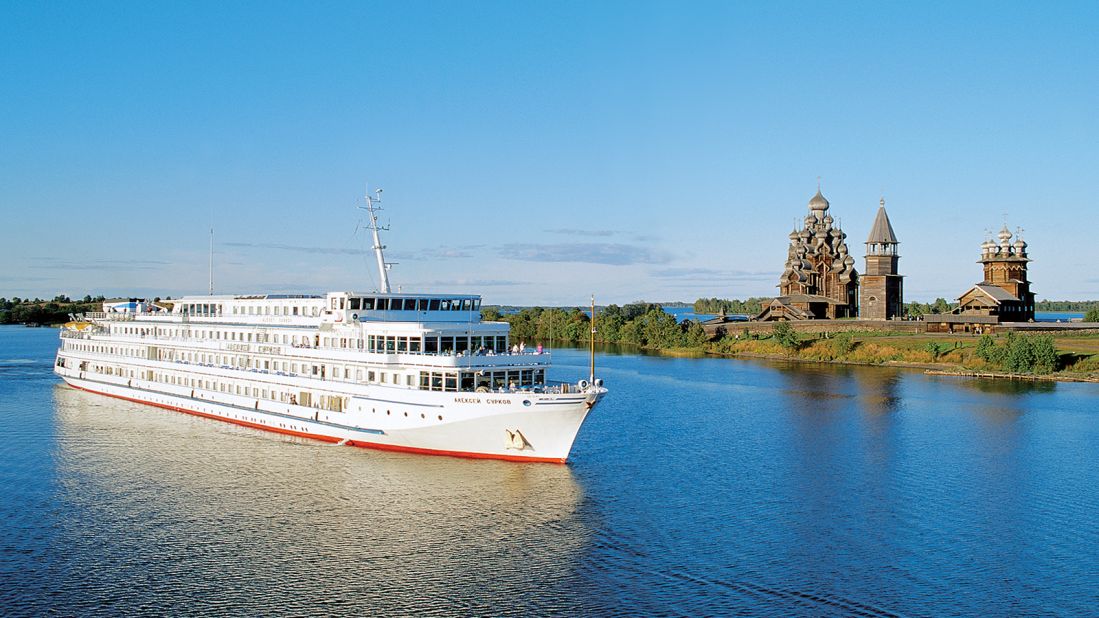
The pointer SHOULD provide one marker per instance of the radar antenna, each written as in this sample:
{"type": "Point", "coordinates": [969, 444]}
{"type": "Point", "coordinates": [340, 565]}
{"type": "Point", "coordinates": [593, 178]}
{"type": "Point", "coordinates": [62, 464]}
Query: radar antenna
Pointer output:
{"type": "Point", "coordinates": [372, 209]}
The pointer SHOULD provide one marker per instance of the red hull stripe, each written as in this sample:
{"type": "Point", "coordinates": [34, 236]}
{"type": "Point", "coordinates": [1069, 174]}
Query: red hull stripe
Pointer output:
{"type": "Point", "coordinates": [323, 438]}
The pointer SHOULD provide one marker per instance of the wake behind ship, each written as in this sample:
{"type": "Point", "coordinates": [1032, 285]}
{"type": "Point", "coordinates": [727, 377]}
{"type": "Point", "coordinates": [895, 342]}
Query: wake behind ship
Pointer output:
{"type": "Point", "coordinates": [398, 371]}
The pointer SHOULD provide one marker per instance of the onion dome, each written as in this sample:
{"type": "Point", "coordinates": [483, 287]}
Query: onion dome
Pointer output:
{"type": "Point", "coordinates": [818, 202]}
{"type": "Point", "coordinates": [794, 235]}
{"type": "Point", "coordinates": [850, 261]}
{"type": "Point", "coordinates": [1004, 236]}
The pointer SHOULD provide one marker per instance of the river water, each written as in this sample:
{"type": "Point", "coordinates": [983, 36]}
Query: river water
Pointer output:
{"type": "Point", "coordinates": [699, 487]}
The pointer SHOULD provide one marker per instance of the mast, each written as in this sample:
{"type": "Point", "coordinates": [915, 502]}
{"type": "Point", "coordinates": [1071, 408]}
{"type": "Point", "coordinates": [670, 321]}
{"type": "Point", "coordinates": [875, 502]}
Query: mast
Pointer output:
{"type": "Point", "coordinates": [383, 268]}
{"type": "Point", "coordinates": [591, 375]}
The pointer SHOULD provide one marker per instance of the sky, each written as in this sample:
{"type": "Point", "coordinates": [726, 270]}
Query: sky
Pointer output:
{"type": "Point", "coordinates": [537, 153]}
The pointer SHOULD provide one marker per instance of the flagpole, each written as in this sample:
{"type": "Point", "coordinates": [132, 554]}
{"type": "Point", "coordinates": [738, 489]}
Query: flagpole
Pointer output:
{"type": "Point", "coordinates": [591, 376]}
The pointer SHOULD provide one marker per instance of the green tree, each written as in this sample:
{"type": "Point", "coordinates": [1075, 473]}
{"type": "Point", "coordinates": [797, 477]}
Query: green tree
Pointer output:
{"type": "Point", "coordinates": [935, 348]}
{"type": "Point", "coordinates": [694, 335]}
{"type": "Point", "coordinates": [1045, 354]}
{"type": "Point", "coordinates": [1092, 315]}
{"type": "Point", "coordinates": [842, 344]}
{"type": "Point", "coordinates": [491, 314]}
{"type": "Point", "coordinates": [786, 336]}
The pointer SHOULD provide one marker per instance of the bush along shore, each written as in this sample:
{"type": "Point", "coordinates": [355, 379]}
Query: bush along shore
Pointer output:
{"type": "Point", "coordinates": [648, 327]}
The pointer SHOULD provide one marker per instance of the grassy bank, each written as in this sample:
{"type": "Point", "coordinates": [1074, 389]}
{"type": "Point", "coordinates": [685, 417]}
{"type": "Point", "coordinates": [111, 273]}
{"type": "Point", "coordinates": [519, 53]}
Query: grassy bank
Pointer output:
{"type": "Point", "coordinates": [1074, 356]}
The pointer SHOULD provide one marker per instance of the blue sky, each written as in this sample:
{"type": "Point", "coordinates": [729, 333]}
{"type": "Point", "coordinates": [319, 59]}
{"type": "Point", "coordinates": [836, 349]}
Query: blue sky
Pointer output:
{"type": "Point", "coordinates": [536, 153]}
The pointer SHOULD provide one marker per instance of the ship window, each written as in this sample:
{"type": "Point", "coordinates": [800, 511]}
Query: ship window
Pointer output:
{"type": "Point", "coordinates": [354, 303]}
{"type": "Point", "coordinates": [410, 304]}
{"type": "Point", "coordinates": [444, 305]}
{"type": "Point", "coordinates": [369, 376]}
{"type": "Point", "coordinates": [434, 305]}
{"type": "Point", "coordinates": [358, 375]}
{"type": "Point", "coordinates": [414, 345]}
{"type": "Point", "coordinates": [431, 345]}
{"type": "Point", "coordinates": [425, 380]}
{"type": "Point", "coordinates": [368, 304]}
{"type": "Point", "coordinates": [421, 304]}
{"type": "Point", "coordinates": [295, 310]}
{"type": "Point", "coordinates": [467, 381]}
{"type": "Point", "coordinates": [476, 304]}
{"type": "Point", "coordinates": [436, 381]}
{"type": "Point", "coordinates": [466, 304]}
{"type": "Point", "coordinates": [402, 344]}
{"type": "Point", "coordinates": [385, 378]}
{"type": "Point", "coordinates": [451, 382]}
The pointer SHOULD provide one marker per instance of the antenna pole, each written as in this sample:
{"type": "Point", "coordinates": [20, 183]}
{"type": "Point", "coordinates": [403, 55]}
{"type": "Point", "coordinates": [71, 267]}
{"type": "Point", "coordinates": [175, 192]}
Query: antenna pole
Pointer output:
{"type": "Point", "coordinates": [372, 210]}
{"type": "Point", "coordinates": [591, 375]}
{"type": "Point", "coordinates": [211, 261]}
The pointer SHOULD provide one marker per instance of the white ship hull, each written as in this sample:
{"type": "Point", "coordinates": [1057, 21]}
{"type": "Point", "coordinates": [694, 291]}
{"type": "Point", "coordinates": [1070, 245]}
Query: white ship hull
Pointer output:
{"type": "Point", "coordinates": [520, 426]}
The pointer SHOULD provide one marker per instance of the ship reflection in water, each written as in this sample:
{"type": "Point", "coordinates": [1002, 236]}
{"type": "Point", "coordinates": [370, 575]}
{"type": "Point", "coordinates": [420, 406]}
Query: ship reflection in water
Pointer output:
{"type": "Point", "coordinates": [196, 515]}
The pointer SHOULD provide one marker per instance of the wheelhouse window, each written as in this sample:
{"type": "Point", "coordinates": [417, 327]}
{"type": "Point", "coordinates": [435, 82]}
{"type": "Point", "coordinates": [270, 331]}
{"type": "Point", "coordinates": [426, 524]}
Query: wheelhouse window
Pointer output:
{"type": "Point", "coordinates": [368, 304]}
{"type": "Point", "coordinates": [433, 304]}
{"type": "Point", "coordinates": [355, 303]}
{"type": "Point", "coordinates": [410, 304]}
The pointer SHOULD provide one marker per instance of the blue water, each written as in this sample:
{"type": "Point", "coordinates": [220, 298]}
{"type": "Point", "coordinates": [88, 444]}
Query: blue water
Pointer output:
{"type": "Point", "coordinates": [1056, 316]}
{"type": "Point", "coordinates": [699, 487]}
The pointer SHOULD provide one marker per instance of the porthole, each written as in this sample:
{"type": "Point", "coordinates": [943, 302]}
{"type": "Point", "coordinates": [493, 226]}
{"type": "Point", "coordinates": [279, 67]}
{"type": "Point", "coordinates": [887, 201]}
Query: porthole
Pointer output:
{"type": "Point", "coordinates": [406, 414]}
{"type": "Point", "coordinates": [422, 415]}
{"type": "Point", "coordinates": [440, 417]}
{"type": "Point", "coordinates": [526, 402]}
{"type": "Point", "coordinates": [387, 412]}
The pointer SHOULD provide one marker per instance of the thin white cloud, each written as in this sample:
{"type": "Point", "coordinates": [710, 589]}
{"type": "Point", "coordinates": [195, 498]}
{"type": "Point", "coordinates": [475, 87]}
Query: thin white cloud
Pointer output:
{"type": "Point", "coordinates": [615, 254]}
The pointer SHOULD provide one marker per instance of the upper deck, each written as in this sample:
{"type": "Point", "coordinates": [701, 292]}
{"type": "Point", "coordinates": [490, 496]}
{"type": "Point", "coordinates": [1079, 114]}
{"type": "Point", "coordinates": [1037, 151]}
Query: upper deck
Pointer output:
{"type": "Point", "coordinates": [337, 307]}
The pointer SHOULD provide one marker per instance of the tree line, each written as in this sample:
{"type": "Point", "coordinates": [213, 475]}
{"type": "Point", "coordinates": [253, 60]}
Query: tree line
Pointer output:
{"type": "Point", "coordinates": [25, 310]}
{"type": "Point", "coordinates": [1073, 306]}
{"type": "Point", "coordinates": [646, 325]}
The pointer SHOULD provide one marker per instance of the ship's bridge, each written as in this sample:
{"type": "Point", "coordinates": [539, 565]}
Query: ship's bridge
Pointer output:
{"type": "Point", "coordinates": [402, 307]}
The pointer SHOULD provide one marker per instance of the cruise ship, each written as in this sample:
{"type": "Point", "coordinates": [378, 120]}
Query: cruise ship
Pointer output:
{"type": "Point", "coordinates": [410, 372]}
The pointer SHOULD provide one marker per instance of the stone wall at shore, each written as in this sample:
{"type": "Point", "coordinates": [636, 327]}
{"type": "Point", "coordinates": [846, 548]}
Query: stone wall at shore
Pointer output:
{"type": "Point", "coordinates": [893, 326]}
{"type": "Point", "coordinates": [815, 327]}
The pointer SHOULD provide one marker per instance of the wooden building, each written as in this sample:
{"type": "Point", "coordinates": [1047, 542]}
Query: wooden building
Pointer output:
{"type": "Point", "coordinates": [881, 292]}
{"type": "Point", "coordinates": [1003, 296]}
{"type": "Point", "coordinates": [819, 280]}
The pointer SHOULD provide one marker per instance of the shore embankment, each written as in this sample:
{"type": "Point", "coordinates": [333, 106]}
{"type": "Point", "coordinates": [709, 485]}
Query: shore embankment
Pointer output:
{"type": "Point", "coordinates": [1061, 356]}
